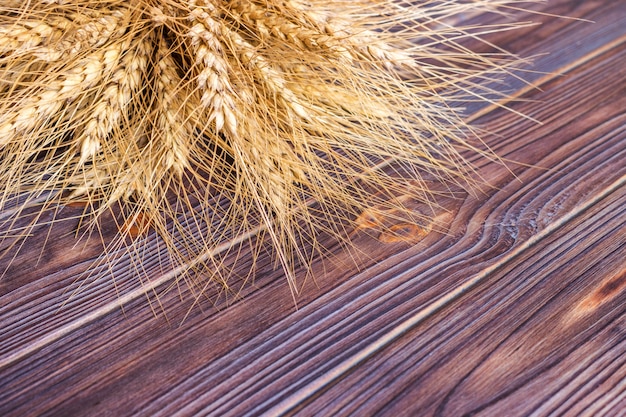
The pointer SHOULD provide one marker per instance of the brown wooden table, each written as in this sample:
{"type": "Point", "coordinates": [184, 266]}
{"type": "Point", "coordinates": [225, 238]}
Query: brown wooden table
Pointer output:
{"type": "Point", "coordinates": [516, 309]}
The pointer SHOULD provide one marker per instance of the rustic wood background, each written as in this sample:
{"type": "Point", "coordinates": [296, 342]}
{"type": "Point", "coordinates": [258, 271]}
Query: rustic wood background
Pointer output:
{"type": "Point", "coordinates": [516, 309]}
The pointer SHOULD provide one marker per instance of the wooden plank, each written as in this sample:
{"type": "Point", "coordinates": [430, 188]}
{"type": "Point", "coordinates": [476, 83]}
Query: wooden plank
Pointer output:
{"type": "Point", "coordinates": [527, 340]}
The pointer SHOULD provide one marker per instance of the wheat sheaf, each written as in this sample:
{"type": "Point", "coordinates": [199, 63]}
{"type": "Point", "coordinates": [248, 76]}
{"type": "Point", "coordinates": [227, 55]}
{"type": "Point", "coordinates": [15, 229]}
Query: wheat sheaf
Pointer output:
{"type": "Point", "coordinates": [201, 122]}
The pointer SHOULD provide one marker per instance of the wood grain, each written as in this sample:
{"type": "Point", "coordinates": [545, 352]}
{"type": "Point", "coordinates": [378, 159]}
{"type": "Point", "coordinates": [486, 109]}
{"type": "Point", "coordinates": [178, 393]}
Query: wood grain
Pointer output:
{"type": "Point", "coordinates": [514, 305]}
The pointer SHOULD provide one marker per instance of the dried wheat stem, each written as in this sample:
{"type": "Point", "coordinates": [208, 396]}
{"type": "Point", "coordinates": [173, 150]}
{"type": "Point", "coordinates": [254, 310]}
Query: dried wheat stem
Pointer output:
{"type": "Point", "coordinates": [29, 35]}
{"type": "Point", "coordinates": [93, 30]}
{"type": "Point", "coordinates": [213, 76]}
{"type": "Point", "coordinates": [360, 44]}
{"type": "Point", "coordinates": [272, 25]}
{"type": "Point", "coordinates": [116, 95]}
{"type": "Point", "coordinates": [39, 105]}
{"type": "Point", "coordinates": [51, 38]}
{"type": "Point", "coordinates": [171, 127]}
{"type": "Point", "coordinates": [267, 74]}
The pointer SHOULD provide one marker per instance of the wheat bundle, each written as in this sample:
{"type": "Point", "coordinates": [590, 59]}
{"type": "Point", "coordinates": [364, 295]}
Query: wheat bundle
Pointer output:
{"type": "Point", "coordinates": [202, 120]}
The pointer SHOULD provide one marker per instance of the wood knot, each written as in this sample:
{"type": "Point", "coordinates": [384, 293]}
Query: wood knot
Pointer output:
{"type": "Point", "coordinates": [605, 292]}
{"type": "Point", "coordinates": [404, 232]}
{"type": "Point", "coordinates": [403, 220]}
{"type": "Point", "coordinates": [137, 225]}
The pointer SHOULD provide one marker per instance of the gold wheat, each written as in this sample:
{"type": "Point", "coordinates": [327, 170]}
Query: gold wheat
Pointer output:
{"type": "Point", "coordinates": [292, 111]}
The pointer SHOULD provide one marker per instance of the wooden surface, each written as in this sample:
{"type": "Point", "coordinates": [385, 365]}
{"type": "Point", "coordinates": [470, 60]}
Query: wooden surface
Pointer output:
{"type": "Point", "coordinates": [518, 309]}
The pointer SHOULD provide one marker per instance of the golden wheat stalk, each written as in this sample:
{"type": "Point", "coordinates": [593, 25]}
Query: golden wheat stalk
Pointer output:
{"type": "Point", "coordinates": [160, 109]}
